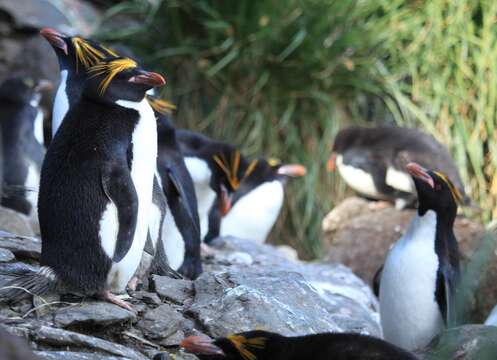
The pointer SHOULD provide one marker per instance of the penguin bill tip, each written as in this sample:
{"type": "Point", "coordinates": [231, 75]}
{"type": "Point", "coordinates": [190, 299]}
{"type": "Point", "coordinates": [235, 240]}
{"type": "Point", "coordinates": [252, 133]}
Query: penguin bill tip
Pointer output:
{"type": "Point", "coordinates": [200, 345]}
{"type": "Point", "coordinates": [148, 78]}
{"type": "Point", "coordinates": [55, 38]}
{"type": "Point", "coordinates": [293, 170]}
{"type": "Point", "coordinates": [419, 172]}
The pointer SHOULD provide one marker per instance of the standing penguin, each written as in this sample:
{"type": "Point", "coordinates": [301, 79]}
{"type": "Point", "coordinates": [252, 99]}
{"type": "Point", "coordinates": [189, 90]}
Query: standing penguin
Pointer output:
{"type": "Point", "coordinates": [264, 345]}
{"type": "Point", "coordinates": [421, 271]}
{"type": "Point", "coordinates": [258, 201]}
{"type": "Point", "coordinates": [96, 186]}
{"type": "Point", "coordinates": [21, 121]}
{"type": "Point", "coordinates": [181, 229]}
{"type": "Point", "coordinates": [372, 161]}
{"type": "Point", "coordinates": [216, 169]}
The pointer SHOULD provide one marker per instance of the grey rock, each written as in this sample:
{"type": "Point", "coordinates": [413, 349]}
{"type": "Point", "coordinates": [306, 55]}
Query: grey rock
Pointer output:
{"type": "Point", "coordinates": [21, 246]}
{"type": "Point", "coordinates": [60, 338]}
{"type": "Point", "coordinates": [275, 300]}
{"type": "Point", "coordinates": [174, 290]}
{"type": "Point", "coordinates": [147, 297]}
{"type": "Point", "coordinates": [6, 255]}
{"type": "Point", "coordinates": [69, 355]}
{"type": "Point", "coordinates": [13, 347]}
{"type": "Point", "coordinates": [94, 313]}
{"type": "Point", "coordinates": [161, 322]}
{"type": "Point", "coordinates": [15, 222]}
{"type": "Point", "coordinates": [468, 342]}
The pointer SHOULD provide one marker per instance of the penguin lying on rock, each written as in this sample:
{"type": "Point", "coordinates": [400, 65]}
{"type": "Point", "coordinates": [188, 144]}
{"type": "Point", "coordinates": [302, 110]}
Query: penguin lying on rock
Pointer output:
{"type": "Point", "coordinates": [418, 283]}
{"type": "Point", "coordinates": [264, 345]}
{"type": "Point", "coordinates": [257, 202]}
{"type": "Point", "coordinates": [21, 122]}
{"type": "Point", "coordinates": [372, 161]}
{"type": "Point", "coordinates": [216, 169]}
{"type": "Point", "coordinates": [96, 187]}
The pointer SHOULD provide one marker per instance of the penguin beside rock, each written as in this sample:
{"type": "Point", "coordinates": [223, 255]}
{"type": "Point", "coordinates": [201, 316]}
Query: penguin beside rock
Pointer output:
{"type": "Point", "coordinates": [264, 345]}
{"type": "Point", "coordinates": [372, 161]}
{"type": "Point", "coordinates": [21, 123]}
{"type": "Point", "coordinates": [96, 187]}
{"type": "Point", "coordinates": [418, 285]}
{"type": "Point", "coordinates": [257, 203]}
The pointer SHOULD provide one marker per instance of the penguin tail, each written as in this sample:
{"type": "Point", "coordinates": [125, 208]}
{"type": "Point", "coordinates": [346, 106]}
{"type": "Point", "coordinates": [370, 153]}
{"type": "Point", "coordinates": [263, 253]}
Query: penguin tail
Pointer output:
{"type": "Point", "coordinates": [24, 281]}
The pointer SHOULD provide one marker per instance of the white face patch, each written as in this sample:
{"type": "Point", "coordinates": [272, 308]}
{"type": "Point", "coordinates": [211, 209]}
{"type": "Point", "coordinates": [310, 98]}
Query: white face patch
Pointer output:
{"type": "Point", "coordinates": [357, 179]}
{"type": "Point", "coordinates": [399, 180]}
{"type": "Point", "coordinates": [201, 176]}
{"type": "Point", "coordinates": [253, 216]}
{"type": "Point", "coordinates": [143, 167]}
{"type": "Point", "coordinates": [410, 316]}
{"type": "Point", "coordinates": [61, 103]}
{"type": "Point", "coordinates": [174, 245]}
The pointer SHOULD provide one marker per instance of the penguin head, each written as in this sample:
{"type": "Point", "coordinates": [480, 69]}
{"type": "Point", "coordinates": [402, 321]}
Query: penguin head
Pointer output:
{"type": "Point", "coordinates": [343, 140]}
{"type": "Point", "coordinates": [250, 345]}
{"type": "Point", "coordinates": [435, 191]}
{"type": "Point", "coordinates": [23, 90]}
{"type": "Point", "coordinates": [118, 78]}
{"type": "Point", "coordinates": [74, 52]}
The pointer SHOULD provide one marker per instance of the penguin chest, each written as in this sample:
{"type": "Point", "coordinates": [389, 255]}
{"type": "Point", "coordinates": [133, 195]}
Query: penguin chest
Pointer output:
{"type": "Point", "coordinates": [201, 177]}
{"type": "Point", "coordinates": [410, 315]}
{"type": "Point", "coordinates": [143, 166]}
{"type": "Point", "coordinates": [253, 215]}
{"type": "Point", "coordinates": [399, 180]}
{"type": "Point", "coordinates": [174, 244]}
{"type": "Point", "coordinates": [61, 103]}
{"type": "Point", "coordinates": [32, 185]}
{"type": "Point", "coordinates": [358, 179]}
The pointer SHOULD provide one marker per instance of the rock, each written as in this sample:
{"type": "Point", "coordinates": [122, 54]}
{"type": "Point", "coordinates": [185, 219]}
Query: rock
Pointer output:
{"type": "Point", "coordinates": [289, 252]}
{"type": "Point", "coordinates": [15, 222]}
{"type": "Point", "coordinates": [241, 258]}
{"type": "Point", "coordinates": [469, 342]}
{"type": "Point", "coordinates": [361, 242]}
{"type": "Point", "coordinates": [14, 348]}
{"type": "Point", "coordinates": [91, 314]}
{"type": "Point", "coordinates": [174, 290]}
{"type": "Point", "coordinates": [6, 255]}
{"type": "Point", "coordinates": [275, 300]}
{"type": "Point", "coordinates": [21, 246]}
{"type": "Point", "coordinates": [147, 297]}
{"type": "Point", "coordinates": [69, 355]}
{"type": "Point", "coordinates": [61, 338]}
{"type": "Point", "coordinates": [161, 322]}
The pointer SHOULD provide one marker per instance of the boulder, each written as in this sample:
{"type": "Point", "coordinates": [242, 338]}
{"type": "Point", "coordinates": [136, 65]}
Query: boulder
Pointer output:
{"type": "Point", "coordinates": [21, 246]}
{"type": "Point", "coordinates": [469, 342]}
{"type": "Point", "coordinates": [92, 314]}
{"type": "Point", "coordinates": [15, 222]}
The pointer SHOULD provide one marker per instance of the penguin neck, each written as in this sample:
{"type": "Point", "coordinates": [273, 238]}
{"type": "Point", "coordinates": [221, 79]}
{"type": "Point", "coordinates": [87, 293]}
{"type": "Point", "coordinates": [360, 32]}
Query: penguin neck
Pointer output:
{"type": "Point", "coordinates": [431, 226]}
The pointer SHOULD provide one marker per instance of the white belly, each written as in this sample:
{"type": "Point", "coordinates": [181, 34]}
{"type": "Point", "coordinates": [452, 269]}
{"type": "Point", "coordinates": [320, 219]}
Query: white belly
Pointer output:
{"type": "Point", "coordinates": [410, 316]}
{"type": "Point", "coordinates": [32, 184]}
{"type": "Point", "coordinates": [174, 245]}
{"type": "Point", "coordinates": [201, 176]}
{"type": "Point", "coordinates": [61, 103]}
{"type": "Point", "coordinates": [143, 167]}
{"type": "Point", "coordinates": [399, 180]}
{"type": "Point", "coordinates": [253, 216]}
{"type": "Point", "coordinates": [357, 179]}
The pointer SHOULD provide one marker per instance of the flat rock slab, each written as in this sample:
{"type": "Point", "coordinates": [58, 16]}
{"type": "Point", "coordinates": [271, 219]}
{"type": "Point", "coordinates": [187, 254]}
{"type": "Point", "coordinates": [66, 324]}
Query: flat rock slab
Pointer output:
{"type": "Point", "coordinates": [21, 246]}
{"type": "Point", "coordinates": [174, 290]}
{"type": "Point", "coordinates": [69, 355]}
{"type": "Point", "coordinates": [14, 222]}
{"type": "Point", "coordinates": [6, 255]}
{"type": "Point", "coordinates": [94, 313]}
{"type": "Point", "coordinates": [279, 301]}
{"type": "Point", "coordinates": [62, 338]}
{"type": "Point", "coordinates": [161, 322]}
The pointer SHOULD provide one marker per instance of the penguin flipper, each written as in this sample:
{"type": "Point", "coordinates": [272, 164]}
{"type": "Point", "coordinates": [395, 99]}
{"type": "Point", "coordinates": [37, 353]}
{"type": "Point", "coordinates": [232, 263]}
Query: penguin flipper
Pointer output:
{"type": "Point", "coordinates": [182, 195]}
{"type": "Point", "coordinates": [445, 295]}
{"type": "Point", "coordinates": [119, 188]}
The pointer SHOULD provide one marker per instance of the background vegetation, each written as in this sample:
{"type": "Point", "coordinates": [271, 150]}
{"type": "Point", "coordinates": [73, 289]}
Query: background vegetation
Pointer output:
{"type": "Point", "coordinates": [278, 78]}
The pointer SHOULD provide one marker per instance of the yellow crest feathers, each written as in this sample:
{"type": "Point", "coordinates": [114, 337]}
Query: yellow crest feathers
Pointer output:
{"type": "Point", "coordinates": [243, 345]}
{"type": "Point", "coordinates": [231, 168]}
{"type": "Point", "coordinates": [86, 54]}
{"type": "Point", "coordinates": [110, 69]}
{"type": "Point", "coordinates": [161, 106]}
{"type": "Point", "coordinates": [456, 194]}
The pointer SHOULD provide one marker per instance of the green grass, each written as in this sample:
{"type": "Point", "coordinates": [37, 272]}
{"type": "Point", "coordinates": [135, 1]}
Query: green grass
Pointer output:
{"type": "Point", "coordinates": [278, 78]}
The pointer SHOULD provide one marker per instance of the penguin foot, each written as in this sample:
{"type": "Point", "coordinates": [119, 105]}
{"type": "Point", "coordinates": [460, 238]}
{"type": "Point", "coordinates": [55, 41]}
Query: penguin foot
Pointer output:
{"type": "Point", "coordinates": [206, 250]}
{"type": "Point", "coordinates": [114, 299]}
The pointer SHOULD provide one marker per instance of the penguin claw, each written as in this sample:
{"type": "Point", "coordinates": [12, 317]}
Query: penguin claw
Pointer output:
{"type": "Point", "coordinates": [114, 299]}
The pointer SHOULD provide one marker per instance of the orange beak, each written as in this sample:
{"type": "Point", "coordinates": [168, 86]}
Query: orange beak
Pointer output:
{"type": "Point", "coordinates": [225, 204]}
{"type": "Point", "coordinates": [55, 38]}
{"type": "Point", "coordinates": [293, 170]}
{"type": "Point", "coordinates": [419, 172]}
{"type": "Point", "coordinates": [148, 78]}
{"type": "Point", "coordinates": [331, 163]}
